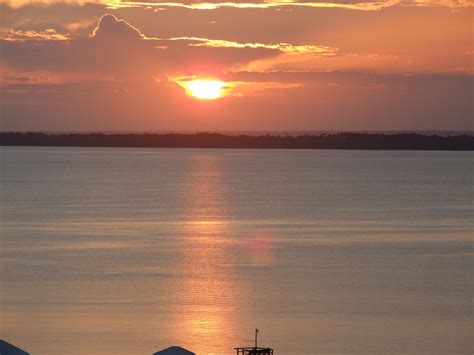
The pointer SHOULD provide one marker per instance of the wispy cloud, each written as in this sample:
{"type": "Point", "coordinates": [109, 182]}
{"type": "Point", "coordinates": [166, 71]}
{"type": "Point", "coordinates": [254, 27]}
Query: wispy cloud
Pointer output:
{"type": "Point", "coordinates": [354, 5]}
{"type": "Point", "coordinates": [9, 34]}
{"type": "Point", "coordinates": [77, 26]}
{"type": "Point", "coordinates": [362, 5]}
{"type": "Point", "coordinates": [282, 47]}
{"type": "Point", "coordinates": [21, 3]}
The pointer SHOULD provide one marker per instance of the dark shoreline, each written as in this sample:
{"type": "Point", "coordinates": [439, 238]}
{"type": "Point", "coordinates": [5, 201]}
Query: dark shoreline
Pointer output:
{"type": "Point", "coordinates": [350, 141]}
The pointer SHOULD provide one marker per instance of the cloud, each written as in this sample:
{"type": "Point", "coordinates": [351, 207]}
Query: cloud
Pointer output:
{"type": "Point", "coordinates": [265, 4]}
{"type": "Point", "coordinates": [397, 39]}
{"type": "Point", "coordinates": [282, 47]}
{"type": "Point", "coordinates": [367, 6]}
{"type": "Point", "coordinates": [81, 25]}
{"type": "Point", "coordinates": [117, 48]}
{"type": "Point", "coordinates": [18, 35]}
{"type": "Point", "coordinates": [22, 3]}
{"type": "Point", "coordinates": [110, 27]}
{"type": "Point", "coordinates": [359, 5]}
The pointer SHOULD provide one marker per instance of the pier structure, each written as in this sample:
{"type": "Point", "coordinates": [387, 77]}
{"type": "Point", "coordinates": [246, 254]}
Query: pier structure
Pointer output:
{"type": "Point", "coordinates": [254, 350]}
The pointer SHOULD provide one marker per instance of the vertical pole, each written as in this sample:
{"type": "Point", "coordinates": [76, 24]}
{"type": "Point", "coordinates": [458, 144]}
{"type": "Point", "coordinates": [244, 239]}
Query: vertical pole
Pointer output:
{"type": "Point", "coordinates": [256, 332]}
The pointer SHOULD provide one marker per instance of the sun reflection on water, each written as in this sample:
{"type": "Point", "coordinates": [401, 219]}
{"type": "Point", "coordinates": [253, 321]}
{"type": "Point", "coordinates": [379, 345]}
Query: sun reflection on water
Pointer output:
{"type": "Point", "coordinates": [209, 297]}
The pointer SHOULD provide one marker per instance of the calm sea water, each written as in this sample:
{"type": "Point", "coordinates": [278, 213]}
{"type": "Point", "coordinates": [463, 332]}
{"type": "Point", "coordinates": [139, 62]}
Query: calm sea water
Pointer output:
{"type": "Point", "coordinates": [128, 251]}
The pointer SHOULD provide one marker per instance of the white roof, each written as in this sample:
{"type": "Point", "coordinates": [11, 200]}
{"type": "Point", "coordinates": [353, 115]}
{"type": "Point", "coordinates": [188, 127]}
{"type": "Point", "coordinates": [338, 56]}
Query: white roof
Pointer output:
{"type": "Point", "coordinates": [9, 349]}
{"type": "Point", "coordinates": [174, 350]}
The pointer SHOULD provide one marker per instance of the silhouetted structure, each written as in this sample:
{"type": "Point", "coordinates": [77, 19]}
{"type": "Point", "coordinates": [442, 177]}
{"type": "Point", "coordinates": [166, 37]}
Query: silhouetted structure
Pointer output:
{"type": "Point", "coordinates": [254, 350]}
{"type": "Point", "coordinates": [362, 141]}
{"type": "Point", "coordinates": [174, 350]}
{"type": "Point", "coordinates": [9, 349]}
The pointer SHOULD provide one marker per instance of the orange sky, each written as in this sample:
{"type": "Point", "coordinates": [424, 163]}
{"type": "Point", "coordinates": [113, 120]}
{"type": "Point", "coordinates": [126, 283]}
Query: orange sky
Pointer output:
{"type": "Point", "coordinates": [279, 65]}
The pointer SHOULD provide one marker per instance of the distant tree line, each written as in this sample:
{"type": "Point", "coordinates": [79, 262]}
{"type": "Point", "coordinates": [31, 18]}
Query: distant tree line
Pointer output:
{"type": "Point", "coordinates": [363, 141]}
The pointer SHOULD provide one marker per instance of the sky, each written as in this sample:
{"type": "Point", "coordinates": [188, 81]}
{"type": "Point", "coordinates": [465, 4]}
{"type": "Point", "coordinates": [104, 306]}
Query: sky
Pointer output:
{"type": "Point", "coordinates": [253, 65]}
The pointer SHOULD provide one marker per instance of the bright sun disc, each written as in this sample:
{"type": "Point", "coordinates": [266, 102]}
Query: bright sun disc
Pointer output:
{"type": "Point", "coordinates": [205, 89]}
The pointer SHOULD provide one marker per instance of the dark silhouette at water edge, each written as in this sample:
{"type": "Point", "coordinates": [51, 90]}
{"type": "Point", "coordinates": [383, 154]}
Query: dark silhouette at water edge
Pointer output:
{"type": "Point", "coordinates": [359, 141]}
{"type": "Point", "coordinates": [7, 348]}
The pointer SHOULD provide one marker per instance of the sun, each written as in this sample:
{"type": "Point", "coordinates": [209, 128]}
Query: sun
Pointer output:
{"type": "Point", "coordinates": [205, 89]}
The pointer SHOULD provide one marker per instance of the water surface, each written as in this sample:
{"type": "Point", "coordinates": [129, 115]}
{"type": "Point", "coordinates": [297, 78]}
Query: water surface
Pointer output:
{"type": "Point", "coordinates": [108, 251]}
